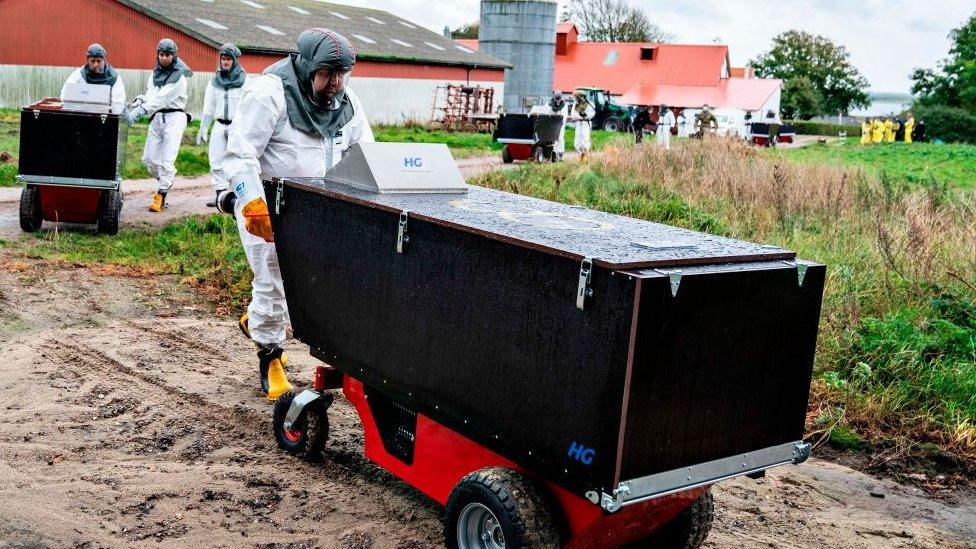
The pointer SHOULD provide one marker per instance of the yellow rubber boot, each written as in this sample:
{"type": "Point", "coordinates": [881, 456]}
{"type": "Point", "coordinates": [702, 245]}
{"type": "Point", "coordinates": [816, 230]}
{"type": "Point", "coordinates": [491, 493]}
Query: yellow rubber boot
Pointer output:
{"type": "Point", "coordinates": [271, 364]}
{"type": "Point", "coordinates": [242, 324]}
{"type": "Point", "coordinates": [277, 380]}
{"type": "Point", "coordinates": [158, 203]}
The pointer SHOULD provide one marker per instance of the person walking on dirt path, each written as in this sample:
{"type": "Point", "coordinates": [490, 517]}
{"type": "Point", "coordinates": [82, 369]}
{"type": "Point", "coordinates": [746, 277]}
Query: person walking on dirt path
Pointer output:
{"type": "Point", "coordinates": [583, 113]}
{"type": "Point", "coordinates": [294, 120]}
{"type": "Point", "coordinates": [98, 71]}
{"type": "Point", "coordinates": [165, 103]}
{"type": "Point", "coordinates": [665, 121]}
{"type": "Point", "coordinates": [219, 104]}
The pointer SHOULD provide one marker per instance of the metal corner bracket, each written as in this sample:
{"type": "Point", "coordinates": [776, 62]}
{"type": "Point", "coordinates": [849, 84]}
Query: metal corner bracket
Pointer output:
{"type": "Point", "coordinates": [657, 485]}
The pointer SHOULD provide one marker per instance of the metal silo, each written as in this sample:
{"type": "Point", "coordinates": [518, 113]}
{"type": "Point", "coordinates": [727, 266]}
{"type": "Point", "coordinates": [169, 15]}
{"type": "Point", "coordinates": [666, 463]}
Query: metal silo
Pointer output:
{"type": "Point", "coordinates": [522, 32]}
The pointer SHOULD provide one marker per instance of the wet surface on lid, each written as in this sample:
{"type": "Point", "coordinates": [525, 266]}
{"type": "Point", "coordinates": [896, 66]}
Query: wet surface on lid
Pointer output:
{"type": "Point", "coordinates": [572, 231]}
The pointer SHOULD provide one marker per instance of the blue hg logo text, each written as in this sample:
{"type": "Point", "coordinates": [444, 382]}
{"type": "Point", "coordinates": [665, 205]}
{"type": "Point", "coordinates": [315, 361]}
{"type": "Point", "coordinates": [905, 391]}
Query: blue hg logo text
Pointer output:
{"type": "Point", "coordinates": [414, 162]}
{"type": "Point", "coordinates": [581, 453]}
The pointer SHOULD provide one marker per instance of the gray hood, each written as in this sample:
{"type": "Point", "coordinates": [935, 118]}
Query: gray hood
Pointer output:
{"type": "Point", "coordinates": [317, 48]}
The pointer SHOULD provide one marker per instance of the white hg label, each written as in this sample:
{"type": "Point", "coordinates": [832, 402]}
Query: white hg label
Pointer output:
{"type": "Point", "coordinates": [413, 164]}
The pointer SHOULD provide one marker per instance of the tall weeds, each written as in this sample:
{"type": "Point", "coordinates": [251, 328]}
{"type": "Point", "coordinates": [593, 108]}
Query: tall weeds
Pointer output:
{"type": "Point", "coordinates": [897, 344]}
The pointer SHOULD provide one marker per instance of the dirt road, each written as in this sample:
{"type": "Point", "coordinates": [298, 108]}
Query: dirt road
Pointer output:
{"type": "Point", "coordinates": [132, 418]}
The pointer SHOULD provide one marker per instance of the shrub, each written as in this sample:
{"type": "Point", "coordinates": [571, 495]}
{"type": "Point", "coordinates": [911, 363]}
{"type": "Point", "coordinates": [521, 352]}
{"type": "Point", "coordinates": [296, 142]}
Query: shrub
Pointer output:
{"type": "Point", "coordinates": [949, 124]}
{"type": "Point", "coordinates": [809, 127]}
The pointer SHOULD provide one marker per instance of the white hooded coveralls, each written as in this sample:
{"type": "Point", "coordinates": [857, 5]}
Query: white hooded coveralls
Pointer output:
{"type": "Point", "coordinates": [664, 125]}
{"type": "Point", "coordinates": [165, 129]}
{"type": "Point", "coordinates": [220, 105]}
{"type": "Point", "coordinates": [581, 141]}
{"type": "Point", "coordinates": [263, 144]}
{"type": "Point", "coordinates": [118, 89]}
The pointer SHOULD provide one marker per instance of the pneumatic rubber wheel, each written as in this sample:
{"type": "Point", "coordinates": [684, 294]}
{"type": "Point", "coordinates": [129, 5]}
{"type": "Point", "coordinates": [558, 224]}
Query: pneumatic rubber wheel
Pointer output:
{"type": "Point", "coordinates": [307, 437]}
{"type": "Point", "coordinates": [688, 530]}
{"type": "Point", "coordinates": [30, 209]}
{"type": "Point", "coordinates": [506, 155]}
{"type": "Point", "coordinates": [495, 508]}
{"type": "Point", "coordinates": [109, 211]}
{"type": "Point", "coordinates": [613, 125]}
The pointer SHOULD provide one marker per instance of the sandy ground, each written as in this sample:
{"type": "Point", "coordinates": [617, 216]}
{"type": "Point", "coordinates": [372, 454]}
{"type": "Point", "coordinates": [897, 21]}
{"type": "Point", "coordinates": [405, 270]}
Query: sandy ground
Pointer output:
{"type": "Point", "coordinates": [132, 417]}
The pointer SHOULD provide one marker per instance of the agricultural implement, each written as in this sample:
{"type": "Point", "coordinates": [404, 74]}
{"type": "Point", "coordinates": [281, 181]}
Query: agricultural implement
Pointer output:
{"type": "Point", "coordinates": [553, 375]}
{"type": "Point", "coordinates": [70, 160]}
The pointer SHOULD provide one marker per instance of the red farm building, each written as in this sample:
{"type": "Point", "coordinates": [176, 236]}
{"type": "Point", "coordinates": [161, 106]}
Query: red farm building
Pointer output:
{"type": "Point", "coordinates": [400, 66]}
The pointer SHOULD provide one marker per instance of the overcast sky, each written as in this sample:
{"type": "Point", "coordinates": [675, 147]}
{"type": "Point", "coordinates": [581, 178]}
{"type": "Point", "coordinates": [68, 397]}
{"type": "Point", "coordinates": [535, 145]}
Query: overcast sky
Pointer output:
{"type": "Point", "coordinates": [886, 38]}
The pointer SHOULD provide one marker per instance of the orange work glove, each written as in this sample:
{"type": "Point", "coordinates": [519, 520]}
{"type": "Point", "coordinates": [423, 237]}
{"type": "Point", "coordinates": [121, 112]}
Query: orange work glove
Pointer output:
{"type": "Point", "coordinates": [257, 221]}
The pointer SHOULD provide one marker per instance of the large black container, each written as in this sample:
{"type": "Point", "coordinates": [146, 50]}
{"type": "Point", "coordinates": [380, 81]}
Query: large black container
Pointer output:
{"type": "Point", "coordinates": [591, 348]}
{"type": "Point", "coordinates": [528, 128]}
{"type": "Point", "coordinates": [71, 147]}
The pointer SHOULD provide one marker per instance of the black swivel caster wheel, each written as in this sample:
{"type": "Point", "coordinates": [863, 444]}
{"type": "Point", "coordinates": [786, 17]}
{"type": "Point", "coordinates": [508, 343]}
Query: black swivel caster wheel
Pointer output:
{"type": "Point", "coordinates": [308, 435]}
{"type": "Point", "coordinates": [507, 155]}
{"type": "Point", "coordinates": [30, 209]}
{"type": "Point", "coordinates": [109, 211]}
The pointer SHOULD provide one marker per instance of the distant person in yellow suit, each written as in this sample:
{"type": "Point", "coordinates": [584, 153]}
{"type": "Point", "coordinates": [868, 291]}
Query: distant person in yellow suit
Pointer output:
{"type": "Point", "coordinates": [866, 132]}
{"type": "Point", "coordinates": [889, 126]}
{"type": "Point", "coordinates": [909, 128]}
{"type": "Point", "coordinates": [877, 131]}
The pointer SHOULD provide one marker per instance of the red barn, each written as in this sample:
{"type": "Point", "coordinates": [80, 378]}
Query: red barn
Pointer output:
{"type": "Point", "coordinates": [680, 75]}
{"type": "Point", "coordinates": [400, 63]}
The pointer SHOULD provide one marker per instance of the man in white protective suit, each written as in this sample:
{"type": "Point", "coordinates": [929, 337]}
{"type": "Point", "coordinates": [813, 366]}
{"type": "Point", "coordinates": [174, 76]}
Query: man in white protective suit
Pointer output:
{"type": "Point", "coordinates": [583, 113]}
{"type": "Point", "coordinates": [219, 105]}
{"type": "Point", "coordinates": [665, 122]}
{"type": "Point", "coordinates": [165, 104]}
{"type": "Point", "coordinates": [97, 70]}
{"type": "Point", "coordinates": [559, 106]}
{"type": "Point", "coordinates": [294, 120]}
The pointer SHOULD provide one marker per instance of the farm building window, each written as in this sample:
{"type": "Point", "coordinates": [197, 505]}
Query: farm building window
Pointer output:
{"type": "Point", "coordinates": [647, 54]}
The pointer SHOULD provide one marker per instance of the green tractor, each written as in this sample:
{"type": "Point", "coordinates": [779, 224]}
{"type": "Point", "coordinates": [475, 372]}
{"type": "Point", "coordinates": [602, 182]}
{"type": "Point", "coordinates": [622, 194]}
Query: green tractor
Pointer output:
{"type": "Point", "coordinates": [609, 115]}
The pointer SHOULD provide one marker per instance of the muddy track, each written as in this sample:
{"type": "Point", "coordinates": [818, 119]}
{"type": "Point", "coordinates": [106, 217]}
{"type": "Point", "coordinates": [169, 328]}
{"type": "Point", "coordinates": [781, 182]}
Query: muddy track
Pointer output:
{"type": "Point", "coordinates": [132, 418]}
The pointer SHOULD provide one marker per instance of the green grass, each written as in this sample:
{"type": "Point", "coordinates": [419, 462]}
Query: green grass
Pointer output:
{"type": "Point", "coordinates": [897, 343]}
{"type": "Point", "coordinates": [912, 163]}
{"type": "Point", "coordinates": [205, 251]}
{"type": "Point", "coordinates": [192, 159]}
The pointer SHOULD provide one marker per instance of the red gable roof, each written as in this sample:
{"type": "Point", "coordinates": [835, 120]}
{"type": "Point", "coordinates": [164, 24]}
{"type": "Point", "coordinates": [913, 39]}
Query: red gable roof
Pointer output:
{"type": "Point", "coordinates": [617, 66]}
{"type": "Point", "coordinates": [736, 93]}
{"type": "Point", "coordinates": [681, 75]}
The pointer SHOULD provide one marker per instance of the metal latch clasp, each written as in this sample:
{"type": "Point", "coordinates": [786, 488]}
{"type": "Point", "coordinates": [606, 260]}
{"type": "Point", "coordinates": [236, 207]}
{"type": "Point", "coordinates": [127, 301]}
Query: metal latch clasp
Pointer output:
{"type": "Point", "coordinates": [583, 289]}
{"type": "Point", "coordinates": [402, 237]}
{"type": "Point", "coordinates": [279, 192]}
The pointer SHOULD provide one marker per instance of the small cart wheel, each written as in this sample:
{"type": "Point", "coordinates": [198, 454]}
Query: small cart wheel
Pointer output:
{"type": "Point", "coordinates": [497, 507]}
{"type": "Point", "coordinates": [30, 209]}
{"type": "Point", "coordinates": [109, 211]}
{"type": "Point", "coordinates": [539, 154]}
{"type": "Point", "coordinates": [688, 530]}
{"type": "Point", "coordinates": [308, 435]}
{"type": "Point", "coordinates": [506, 155]}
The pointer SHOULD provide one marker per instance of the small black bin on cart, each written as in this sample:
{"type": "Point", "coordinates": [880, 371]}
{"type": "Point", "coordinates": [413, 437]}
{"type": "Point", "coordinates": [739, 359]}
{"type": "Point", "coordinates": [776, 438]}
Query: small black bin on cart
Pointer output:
{"type": "Point", "coordinates": [617, 360]}
{"type": "Point", "coordinates": [71, 157]}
